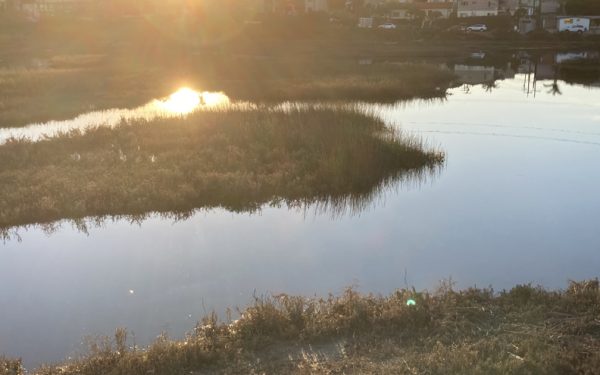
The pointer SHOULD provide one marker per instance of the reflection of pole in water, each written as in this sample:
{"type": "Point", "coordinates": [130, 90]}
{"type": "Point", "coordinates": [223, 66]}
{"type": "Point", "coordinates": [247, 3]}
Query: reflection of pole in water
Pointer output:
{"type": "Point", "coordinates": [535, 69]}
{"type": "Point", "coordinates": [528, 85]}
{"type": "Point", "coordinates": [528, 76]}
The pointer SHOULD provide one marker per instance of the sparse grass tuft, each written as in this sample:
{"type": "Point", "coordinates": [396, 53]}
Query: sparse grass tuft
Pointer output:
{"type": "Point", "coordinates": [11, 366]}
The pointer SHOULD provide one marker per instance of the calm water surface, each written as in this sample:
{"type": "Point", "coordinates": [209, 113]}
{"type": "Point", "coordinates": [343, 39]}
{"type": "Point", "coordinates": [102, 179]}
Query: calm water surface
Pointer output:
{"type": "Point", "coordinates": [518, 202]}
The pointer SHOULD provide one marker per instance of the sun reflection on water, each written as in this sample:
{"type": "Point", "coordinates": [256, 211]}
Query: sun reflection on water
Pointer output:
{"type": "Point", "coordinates": [183, 102]}
{"type": "Point", "coordinates": [186, 100]}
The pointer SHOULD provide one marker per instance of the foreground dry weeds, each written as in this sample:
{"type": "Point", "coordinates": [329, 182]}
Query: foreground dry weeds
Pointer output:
{"type": "Point", "coordinates": [527, 330]}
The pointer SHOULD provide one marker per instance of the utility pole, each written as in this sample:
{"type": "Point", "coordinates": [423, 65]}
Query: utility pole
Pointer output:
{"type": "Point", "coordinates": [539, 15]}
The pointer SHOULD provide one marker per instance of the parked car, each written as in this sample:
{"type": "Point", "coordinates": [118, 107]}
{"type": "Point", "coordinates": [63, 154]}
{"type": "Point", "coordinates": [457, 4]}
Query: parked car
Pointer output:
{"type": "Point", "coordinates": [387, 26]}
{"type": "Point", "coordinates": [478, 27]}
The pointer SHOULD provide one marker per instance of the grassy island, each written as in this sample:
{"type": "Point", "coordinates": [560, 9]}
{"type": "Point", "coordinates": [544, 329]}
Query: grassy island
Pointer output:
{"type": "Point", "coordinates": [239, 160]}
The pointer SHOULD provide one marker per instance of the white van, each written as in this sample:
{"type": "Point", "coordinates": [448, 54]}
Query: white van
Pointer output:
{"type": "Point", "coordinates": [574, 25]}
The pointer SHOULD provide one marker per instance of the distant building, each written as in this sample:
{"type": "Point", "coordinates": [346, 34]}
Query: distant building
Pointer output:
{"type": "Point", "coordinates": [530, 7]}
{"type": "Point", "coordinates": [374, 3]}
{"type": "Point", "coordinates": [551, 7]}
{"type": "Point", "coordinates": [436, 8]}
{"type": "Point", "coordinates": [287, 7]}
{"type": "Point", "coordinates": [365, 22]}
{"type": "Point", "coordinates": [38, 8]}
{"type": "Point", "coordinates": [293, 7]}
{"type": "Point", "coordinates": [405, 9]}
{"type": "Point", "coordinates": [526, 25]}
{"type": "Point", "coordinates": [6, 5]}
{"type": "Point", "coordinates": [316, 6]}
{"type": "Point", "coordinates": [547, 10]}
{"type": "Point", "coordinates": [401, 14]}
{"type": "Point", "coordinates": [508, 7]}
{"type": "Point", "coordinates": [477, 8]}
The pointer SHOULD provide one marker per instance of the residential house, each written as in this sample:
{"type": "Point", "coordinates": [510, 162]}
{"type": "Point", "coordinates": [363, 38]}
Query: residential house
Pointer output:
{"type": "Point", "coordinates": [477, 8]}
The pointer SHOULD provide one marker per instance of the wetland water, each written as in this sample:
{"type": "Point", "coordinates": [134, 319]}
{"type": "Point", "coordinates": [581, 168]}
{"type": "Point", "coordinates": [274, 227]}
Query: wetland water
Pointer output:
{"type": "Point", "coordinates": [517, 202]}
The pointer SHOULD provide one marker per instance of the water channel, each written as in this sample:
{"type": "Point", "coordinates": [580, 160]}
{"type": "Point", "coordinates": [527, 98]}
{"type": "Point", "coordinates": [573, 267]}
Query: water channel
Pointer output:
{"type": "Point", "coordinates": [517, 202]}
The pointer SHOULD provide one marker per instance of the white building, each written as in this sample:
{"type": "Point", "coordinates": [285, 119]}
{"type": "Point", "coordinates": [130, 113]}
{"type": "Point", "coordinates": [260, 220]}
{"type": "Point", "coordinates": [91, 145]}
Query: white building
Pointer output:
{"type": "Point", "coordinates": [477, 8]}
{"type": "Point", "coordinates": [431, 9]}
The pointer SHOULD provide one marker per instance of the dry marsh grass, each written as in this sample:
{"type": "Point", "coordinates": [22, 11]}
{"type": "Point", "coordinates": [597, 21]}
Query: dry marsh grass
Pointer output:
{"type": "Point", "coordinates": [72, 85]}
{"type": "Point", "coordinates": [34, 95]}
{"type": "Point", "coordinates": [238, 160]}
{"type": "Point", "coordinates": [526, 330]}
